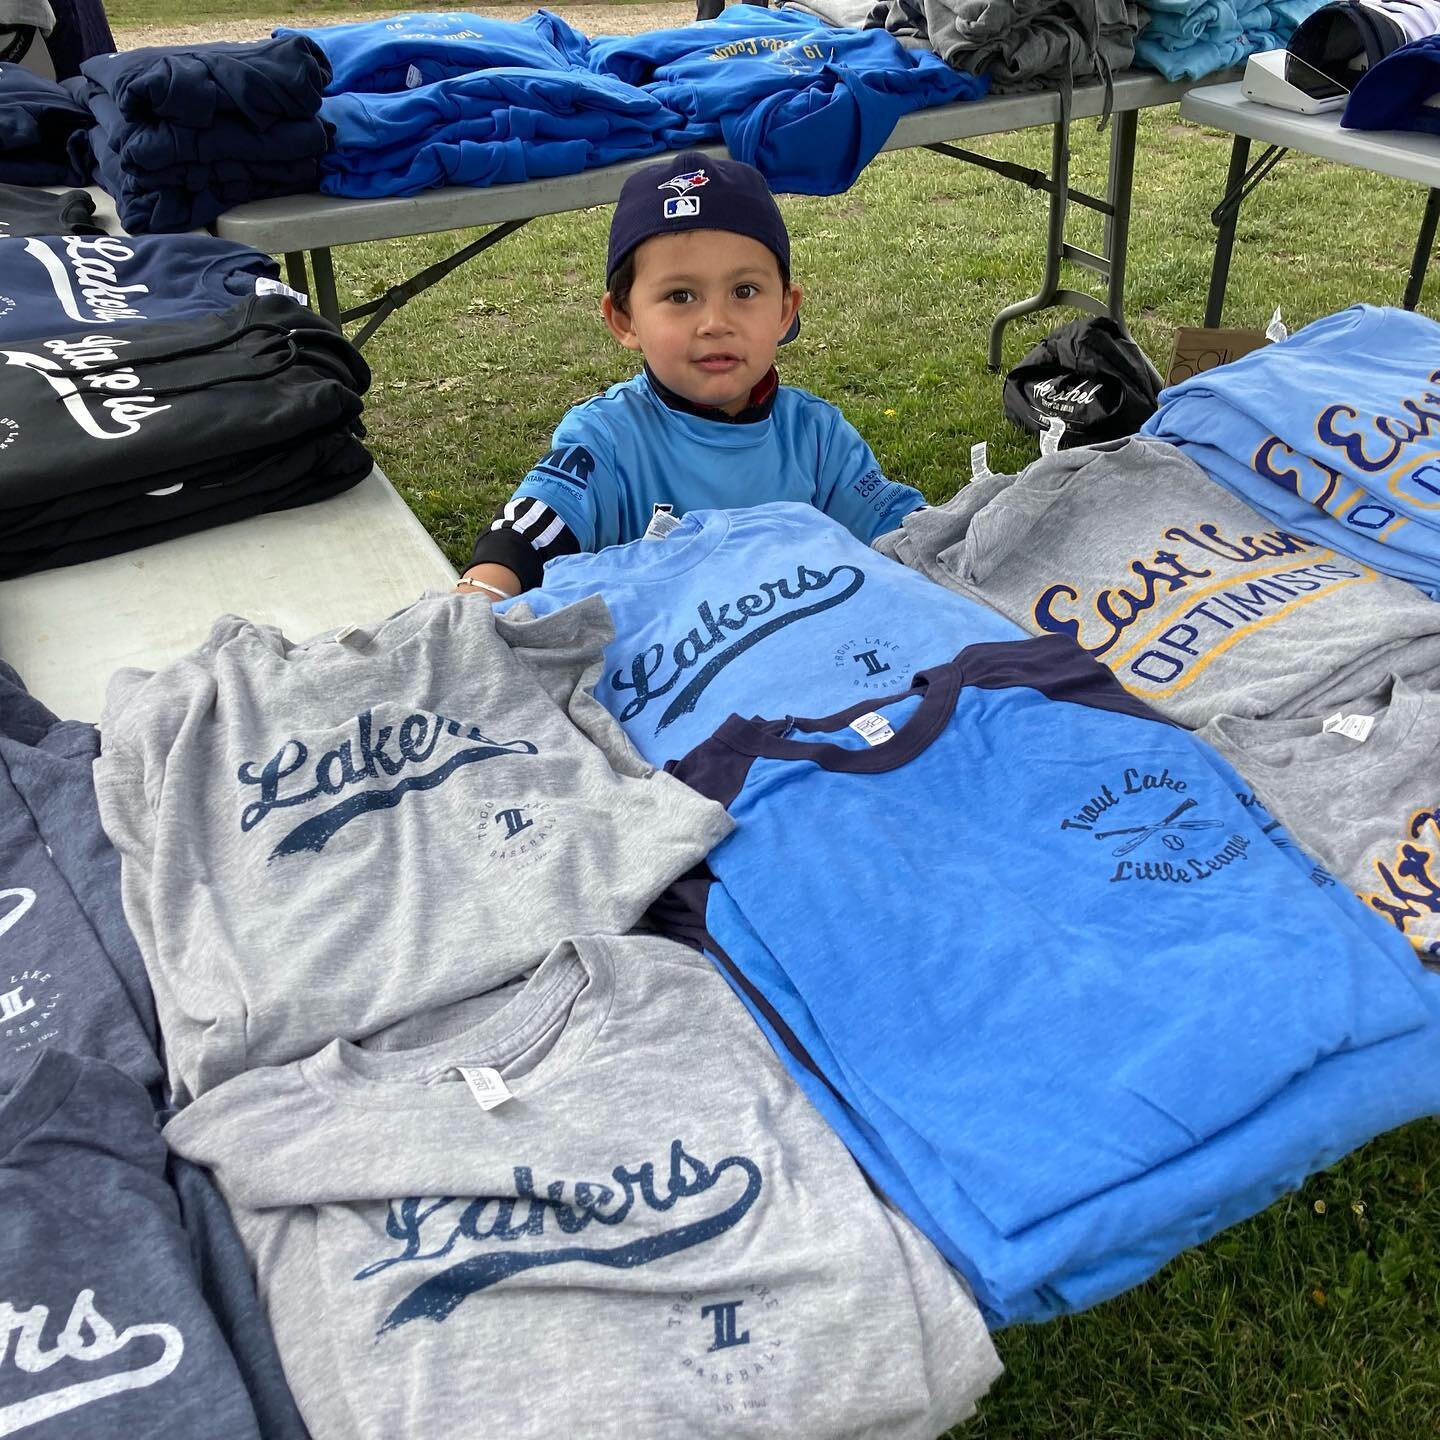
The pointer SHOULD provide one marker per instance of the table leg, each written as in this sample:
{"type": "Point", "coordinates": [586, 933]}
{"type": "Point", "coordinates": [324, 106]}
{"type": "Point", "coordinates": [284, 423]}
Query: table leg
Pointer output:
{"type": "Point", "coordinates": [1054, 245]}
{"type": "Point", "coordinates": [295, 271]}
{"type": "Point", "coordinates": [1116, 242]}
{"type": "Point", "coordinates": [1423, 247]}
{"type": "Point", "coordinates": [1225, 234]}
{"type": "Point", "coordinates": [326, 301]}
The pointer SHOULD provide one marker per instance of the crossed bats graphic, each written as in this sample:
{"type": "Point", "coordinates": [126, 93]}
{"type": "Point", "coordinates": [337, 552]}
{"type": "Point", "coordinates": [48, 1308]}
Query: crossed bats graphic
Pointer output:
{"type": "Point", "coordinates": [1172, 821]}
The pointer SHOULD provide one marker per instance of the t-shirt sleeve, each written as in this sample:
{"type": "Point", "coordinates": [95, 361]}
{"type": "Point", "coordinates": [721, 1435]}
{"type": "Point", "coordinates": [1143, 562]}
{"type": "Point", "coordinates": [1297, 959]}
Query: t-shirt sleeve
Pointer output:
{"type": "Point", "coordinates": [853, 489]}
{"type": "Point", "coordinates": [559, 507]}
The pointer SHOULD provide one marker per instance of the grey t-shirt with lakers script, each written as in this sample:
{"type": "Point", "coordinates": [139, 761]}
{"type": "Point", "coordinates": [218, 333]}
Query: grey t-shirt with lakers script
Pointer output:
{"type": "Point", "coordinates": [654, 1235]}
{"type": "Point", "coordinates": [319, 840]}
{"type": "Point", "coordinates": [1197, 603]}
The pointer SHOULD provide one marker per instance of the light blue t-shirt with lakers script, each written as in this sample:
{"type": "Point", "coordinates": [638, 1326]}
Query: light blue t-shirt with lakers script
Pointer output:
{"type": "Point", "coordinates": [756, 611]}
{"type": "Point", "coordinates": [615, 458]}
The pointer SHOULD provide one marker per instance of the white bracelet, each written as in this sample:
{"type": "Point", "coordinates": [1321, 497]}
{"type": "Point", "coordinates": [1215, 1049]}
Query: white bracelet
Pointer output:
{"type": "Point", "coordinates": [494, 590]}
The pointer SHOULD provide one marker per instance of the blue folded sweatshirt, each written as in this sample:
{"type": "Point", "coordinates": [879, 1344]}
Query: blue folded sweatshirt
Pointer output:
{"type": "Point", "coordinates": [37, 119]}
{"type": "Point", "coordinates": [260, 81]}
{"type": "Point", "coordinates": [159, 146]}
{"type": "Point", "coordinates": [809, 105]}
{"type": "Point", "coordinates": [489, 127]}
{"type": "Point", "coordinates": [59, 283]}
{"type": "Point", "coordinates": [407, 51]}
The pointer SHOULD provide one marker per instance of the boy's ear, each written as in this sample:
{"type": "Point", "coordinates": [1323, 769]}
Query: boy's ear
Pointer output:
{"type": "Point", "coordinates": [792, 305]}
{"type": "Point", "coordinates": [618, 323]}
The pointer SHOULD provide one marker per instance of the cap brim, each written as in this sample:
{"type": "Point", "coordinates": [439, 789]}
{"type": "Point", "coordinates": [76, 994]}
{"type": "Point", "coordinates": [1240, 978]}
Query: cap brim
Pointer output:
{"type": "Point", "coordinates": [793, 331]}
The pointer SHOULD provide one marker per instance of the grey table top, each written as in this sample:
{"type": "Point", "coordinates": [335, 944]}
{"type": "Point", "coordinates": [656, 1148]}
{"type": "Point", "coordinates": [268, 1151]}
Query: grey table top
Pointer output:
{"type": "Point", "coordinates": [312, 222]}
{"type": "Point", "coordinates": [348, 560]}
{"type": "Point", "coordinates": [1400, 153]}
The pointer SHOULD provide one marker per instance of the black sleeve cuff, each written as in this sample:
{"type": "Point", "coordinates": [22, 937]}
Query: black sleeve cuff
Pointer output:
{"type": "Point", "coordinates": [504, 547]}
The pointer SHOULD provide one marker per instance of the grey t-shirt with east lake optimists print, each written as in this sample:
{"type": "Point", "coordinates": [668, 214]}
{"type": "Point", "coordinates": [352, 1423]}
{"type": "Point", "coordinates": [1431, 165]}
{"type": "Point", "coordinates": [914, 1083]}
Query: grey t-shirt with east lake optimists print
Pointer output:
{"type": "Point", "coordinates": [655, 1235]}
{"type": "Point", "coordinates": [320, 840]}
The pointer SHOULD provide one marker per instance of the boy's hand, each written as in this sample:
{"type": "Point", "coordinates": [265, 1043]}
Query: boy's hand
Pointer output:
{"type": "Point", "coordinates": [491, 582]}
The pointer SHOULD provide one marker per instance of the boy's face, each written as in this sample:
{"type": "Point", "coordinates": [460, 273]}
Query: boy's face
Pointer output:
{"type": "Point", "coordinates": [707, 310]}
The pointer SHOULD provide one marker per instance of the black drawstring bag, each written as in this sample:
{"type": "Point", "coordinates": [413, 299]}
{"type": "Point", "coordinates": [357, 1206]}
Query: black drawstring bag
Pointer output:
{"type": "Point", "coordinates": [1089, 374]}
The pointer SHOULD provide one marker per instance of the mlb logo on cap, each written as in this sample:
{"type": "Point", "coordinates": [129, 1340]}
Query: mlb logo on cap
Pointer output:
{"type": "Point", "coordinates": [678, 205]}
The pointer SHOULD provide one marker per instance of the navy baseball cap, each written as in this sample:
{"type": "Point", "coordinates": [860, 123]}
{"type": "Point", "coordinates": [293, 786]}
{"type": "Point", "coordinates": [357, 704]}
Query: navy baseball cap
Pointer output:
{"type": "Point", "coordinates": [694, 191]}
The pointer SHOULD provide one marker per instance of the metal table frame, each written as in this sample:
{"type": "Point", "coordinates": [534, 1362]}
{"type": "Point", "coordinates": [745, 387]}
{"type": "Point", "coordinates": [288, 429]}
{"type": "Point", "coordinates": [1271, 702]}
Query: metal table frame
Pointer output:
{"type": "Point", "coordinates": [317, 224]}
{"type": "Point", "coordinates": [1401, 154]}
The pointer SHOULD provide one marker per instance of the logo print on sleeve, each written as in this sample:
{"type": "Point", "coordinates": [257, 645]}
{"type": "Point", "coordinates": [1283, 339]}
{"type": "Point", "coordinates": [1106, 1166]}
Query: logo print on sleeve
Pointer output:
{"type": "Point", "coordinates": [88, 1339]}
{"type": "Point", "coordinates": [1408, 889]}
{"type": "Point", "coordinates": [431, 1230]}
{"type": "Point", "coordinates": [1144, 832]}
{"type": "Point", "coordinates": [777, 599]}
{"type": "Point", "coordinates": [86, 281]}
{"type": "Point", "coordinates": [1234, 604]}
{"type": "Point", "coordinates": [382, 753]}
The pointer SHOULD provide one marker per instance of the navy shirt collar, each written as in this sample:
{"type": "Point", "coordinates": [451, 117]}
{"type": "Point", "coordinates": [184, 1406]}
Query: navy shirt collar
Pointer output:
{"type": "Point", "coordinates": [761, 403]}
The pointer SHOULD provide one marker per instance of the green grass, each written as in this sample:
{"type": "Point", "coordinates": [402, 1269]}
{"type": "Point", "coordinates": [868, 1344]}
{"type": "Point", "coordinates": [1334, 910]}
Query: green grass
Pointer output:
{"type": "Point", "coordinates": [1316, 1326]}
{"type": "Point", "coordinates": [1298, 1324]}
{"type": "Point", "coordinates": [123, 13]}
{"type": "Point", "coordinates": [1319, 1319]}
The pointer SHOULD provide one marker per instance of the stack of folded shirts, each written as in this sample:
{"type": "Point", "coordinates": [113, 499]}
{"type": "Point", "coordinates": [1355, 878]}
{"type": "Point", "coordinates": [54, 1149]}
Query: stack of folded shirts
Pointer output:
{"type": "Point", "coordinates": [488, 127]}
{"type": "Point", "coordinates": [1189, 39]}
{"type": "Point", "coordinates": [180, 136]}
{"type": "Point", "coordinates": [120, 436]}
{"type": "Point", "coordinates": [37, 119]}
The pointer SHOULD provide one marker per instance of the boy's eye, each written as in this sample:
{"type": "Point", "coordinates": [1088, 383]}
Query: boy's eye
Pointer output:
{"type": "Point", "coordinates": [746, 291]}
{"type": "Point", "coordinates": [680, 297]}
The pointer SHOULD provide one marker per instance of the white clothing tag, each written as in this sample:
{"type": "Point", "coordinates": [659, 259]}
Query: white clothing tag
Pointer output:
{"type": "Point", "coordinates": [980, 460]}
{"type": "Point", "coordinates": [662, 522]}
{"type": "Point", "coordinates": [485, 1085]}
{"type": "Point", "coordinates": [264, 285]}
{"type": "Point", "coordinates": [413, 77]}
{"type": "Point", "coordinates": [1353, 727]}
{"type": "Point", "coordinates": [1275, 331]}
{"type": "Point", "coordinates": [873, 729]}
{"type": "Point", "coordinates": [344, 633]}
{"type": "Point", "coordinates": [1054, 434]}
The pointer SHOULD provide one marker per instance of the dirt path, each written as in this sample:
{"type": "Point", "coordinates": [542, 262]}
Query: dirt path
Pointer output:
{"type": "Point", "coordinates": [591, 19]}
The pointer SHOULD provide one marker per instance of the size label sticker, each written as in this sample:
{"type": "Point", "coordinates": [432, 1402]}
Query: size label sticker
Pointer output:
{"type": "Point", "coordinates": [1054, 434]}
{"type": "Point", "coordinates": [264, 285]}
{"type": "Point", "coordinates": [873, 729]}
{"type": "Point", "coordinates": [1352, 727]}
{"type": "Point", "coordinates": [980, 460]}
{"type": "Point", "coordinates": [1276, 330]}
{"type": "Point", "coordinates": [662, 522]}
{"type": "Point", "coordinates": [485, 1085]}
{"type": "Point", "coordinates": [413, 77]}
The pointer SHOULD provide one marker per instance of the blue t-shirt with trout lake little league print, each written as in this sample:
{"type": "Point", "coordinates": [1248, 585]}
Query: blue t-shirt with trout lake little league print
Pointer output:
{"type": "Point", "coordinates": [1043, 851]}
{"type": "Point", "coordinates": [1334, 434]}
{"type": "Point", "coordinates": [760, 611]}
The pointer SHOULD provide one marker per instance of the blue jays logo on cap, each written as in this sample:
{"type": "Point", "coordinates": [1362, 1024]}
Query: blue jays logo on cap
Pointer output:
{"type": "Point", "coordinates": [683, 184]}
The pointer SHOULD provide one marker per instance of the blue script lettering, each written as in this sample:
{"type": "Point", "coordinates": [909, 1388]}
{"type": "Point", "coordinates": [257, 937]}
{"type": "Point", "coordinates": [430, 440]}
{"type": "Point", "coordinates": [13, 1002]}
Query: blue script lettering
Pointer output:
{"type": "Point", "coordinates": [718, 626]}
{"type": "Point", "coordinates": [430, 1230]}
{"type": "Point", "coordinates": [415, 741]}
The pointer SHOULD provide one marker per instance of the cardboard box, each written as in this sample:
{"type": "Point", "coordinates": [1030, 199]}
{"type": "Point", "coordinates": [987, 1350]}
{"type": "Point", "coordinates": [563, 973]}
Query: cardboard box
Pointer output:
{"type": "Point", "coordinates": [1198, 349]}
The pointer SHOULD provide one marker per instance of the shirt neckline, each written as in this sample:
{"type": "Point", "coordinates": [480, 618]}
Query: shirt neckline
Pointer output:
{"type": "Point", "coordinates": [1400, 713]}
{"type": "Point", "coordinates": [757, 408]}
{"type": "Point", "coordinates": [571, 984]}
{"type": "Point", "coordinates": [939, 689]}
{"type": "Point", "coordinates": [36, 1096]}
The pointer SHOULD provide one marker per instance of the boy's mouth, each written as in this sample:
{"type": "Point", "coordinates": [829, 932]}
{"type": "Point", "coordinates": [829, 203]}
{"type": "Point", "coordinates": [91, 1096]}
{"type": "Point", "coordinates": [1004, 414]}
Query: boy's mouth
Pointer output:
{"type": "Point", "coordinates": [718, 363]}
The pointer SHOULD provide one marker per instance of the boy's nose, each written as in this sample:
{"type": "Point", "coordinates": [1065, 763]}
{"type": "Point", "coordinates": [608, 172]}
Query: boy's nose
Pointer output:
{"type": "Point", "coordinates": [715, 320]}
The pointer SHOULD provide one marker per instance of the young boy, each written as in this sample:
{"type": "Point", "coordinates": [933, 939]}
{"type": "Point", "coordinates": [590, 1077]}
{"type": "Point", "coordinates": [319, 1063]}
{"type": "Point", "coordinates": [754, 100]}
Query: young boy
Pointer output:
{"type": "Point", "coordinates": [698, 283]}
